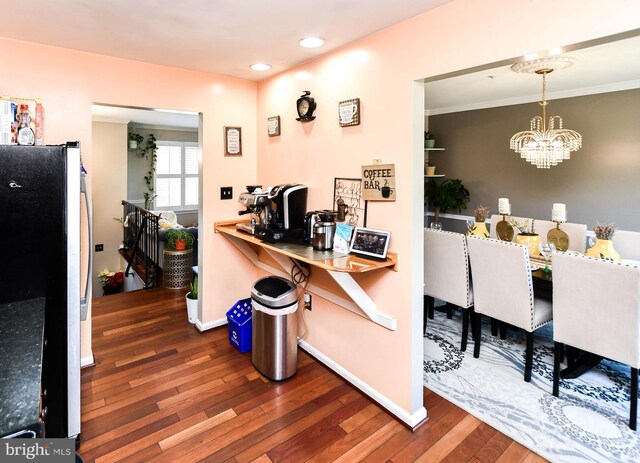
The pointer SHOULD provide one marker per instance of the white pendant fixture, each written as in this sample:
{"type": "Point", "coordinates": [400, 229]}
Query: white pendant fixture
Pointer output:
{"type": "Point", "coordinates": [545, 145]}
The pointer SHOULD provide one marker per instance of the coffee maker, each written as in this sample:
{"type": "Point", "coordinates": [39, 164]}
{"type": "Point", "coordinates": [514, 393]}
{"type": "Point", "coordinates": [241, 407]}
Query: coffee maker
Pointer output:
{"type": "Point", "coordinates": [256, 203]}
{"type": "Point", "coordinates": [280, 212]}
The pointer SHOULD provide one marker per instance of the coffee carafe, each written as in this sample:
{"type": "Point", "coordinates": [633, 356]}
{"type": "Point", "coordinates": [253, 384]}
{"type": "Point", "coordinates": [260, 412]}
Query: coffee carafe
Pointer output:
{"type": "Point", "coordinates": [313, 217]}
{"type": "Point", "coordinates": [323, 233]}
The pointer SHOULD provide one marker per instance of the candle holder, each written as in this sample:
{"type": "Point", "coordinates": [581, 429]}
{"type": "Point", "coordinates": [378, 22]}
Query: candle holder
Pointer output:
{"type": "Point", "coordinates": [504, 230]}
{"type": "Point", "coordinates": [558, 237]}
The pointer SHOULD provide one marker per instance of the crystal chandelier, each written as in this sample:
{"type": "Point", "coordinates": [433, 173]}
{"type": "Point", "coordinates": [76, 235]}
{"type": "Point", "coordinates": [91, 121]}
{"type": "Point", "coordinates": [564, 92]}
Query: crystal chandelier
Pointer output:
{"type": "Point", "coordinates": [545, 146]}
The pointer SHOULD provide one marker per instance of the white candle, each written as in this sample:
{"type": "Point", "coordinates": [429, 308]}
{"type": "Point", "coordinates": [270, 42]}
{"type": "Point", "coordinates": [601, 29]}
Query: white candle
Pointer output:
{"type": "Point", "coordinates": [559, 212]}
{"type": "Point", "coordinates": [503, 206]}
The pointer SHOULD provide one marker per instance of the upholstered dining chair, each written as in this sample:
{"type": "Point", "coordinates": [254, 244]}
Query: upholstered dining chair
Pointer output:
{"type": "Point", "coordinates": [596, 308]}
{"type": "Point", "coordinates": [446, 274]}
{"type": "Point", "coordinates": [503, 290]}
{"type": "Point", "coordinates": [627, 243]}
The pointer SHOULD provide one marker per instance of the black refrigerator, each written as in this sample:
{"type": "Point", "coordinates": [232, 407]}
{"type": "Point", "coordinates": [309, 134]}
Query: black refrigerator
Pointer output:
{"type": "Point", "coordinates": [40, 208]}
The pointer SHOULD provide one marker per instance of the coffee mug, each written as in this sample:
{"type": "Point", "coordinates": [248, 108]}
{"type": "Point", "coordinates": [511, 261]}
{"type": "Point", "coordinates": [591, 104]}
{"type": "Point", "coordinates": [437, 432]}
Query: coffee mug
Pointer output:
{"type": "Point", "coordinates": [386, 191]}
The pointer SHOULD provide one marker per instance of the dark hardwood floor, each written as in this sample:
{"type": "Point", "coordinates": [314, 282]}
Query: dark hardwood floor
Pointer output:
{"type": "Point", "coordinates": [163, 392]}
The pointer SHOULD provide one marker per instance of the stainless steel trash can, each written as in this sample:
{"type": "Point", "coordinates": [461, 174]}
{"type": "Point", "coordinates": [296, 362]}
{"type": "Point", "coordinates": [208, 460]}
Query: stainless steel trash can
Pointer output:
{"type": "Point", "coordinates": [275, 328]}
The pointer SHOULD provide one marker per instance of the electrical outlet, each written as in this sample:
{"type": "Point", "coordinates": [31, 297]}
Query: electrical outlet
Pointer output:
{"type": "Point", "coordinates": [99, 247]}
{"type": "Point", "coordinates": [226, 192]}
{"type": "Point", "coordinates": [307, 301]}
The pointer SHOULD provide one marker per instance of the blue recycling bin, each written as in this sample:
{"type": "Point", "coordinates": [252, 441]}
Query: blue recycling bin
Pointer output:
{"type": "Point", "coordinates": [239, 320]}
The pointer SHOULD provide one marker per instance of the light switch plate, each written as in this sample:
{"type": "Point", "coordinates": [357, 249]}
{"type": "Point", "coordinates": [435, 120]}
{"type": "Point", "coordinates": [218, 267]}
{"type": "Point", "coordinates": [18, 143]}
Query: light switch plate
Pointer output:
{"type": "Point", "coordinates": [226, 192]}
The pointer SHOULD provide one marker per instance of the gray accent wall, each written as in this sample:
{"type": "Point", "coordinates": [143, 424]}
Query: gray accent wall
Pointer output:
{"type": "Point", "coordinates": [600, 183]}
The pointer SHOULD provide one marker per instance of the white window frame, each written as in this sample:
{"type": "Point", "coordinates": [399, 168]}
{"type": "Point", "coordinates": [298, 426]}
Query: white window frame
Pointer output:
{"type": "Point", "coordinates": [183, 176]}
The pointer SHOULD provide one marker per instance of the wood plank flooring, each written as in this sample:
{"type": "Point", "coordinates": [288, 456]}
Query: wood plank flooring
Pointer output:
{"type": "Point", "coordinates": [163, 392]}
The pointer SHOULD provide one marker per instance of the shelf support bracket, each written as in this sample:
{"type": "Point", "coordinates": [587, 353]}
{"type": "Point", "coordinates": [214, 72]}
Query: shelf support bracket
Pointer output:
{"type": "Point", "coordinates": [362, 300]}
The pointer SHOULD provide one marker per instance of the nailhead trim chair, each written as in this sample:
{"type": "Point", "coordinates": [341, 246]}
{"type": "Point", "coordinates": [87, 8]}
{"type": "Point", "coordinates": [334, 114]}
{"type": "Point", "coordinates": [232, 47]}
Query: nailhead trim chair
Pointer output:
{"type": "Point", "coordinates": [503, 290]}
{"type": "Point", "coordinates": [446, 274]}
{"type": "Point", "coordinates": [596, 308]}
{"type": "Point", "coordinates": [627, 243]}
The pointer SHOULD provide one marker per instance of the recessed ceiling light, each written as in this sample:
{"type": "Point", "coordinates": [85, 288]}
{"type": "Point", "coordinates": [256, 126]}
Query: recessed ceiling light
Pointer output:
{"type": "Point", "coordinates": [311, 42]}
{"type": "Point", "coordinates": [260, 67]}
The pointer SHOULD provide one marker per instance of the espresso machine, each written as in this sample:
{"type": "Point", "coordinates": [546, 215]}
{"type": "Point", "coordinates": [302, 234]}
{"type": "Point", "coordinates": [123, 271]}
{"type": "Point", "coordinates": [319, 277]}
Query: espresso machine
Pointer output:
{"type": "Point", "coordinates": [257, 204]}
{"type": "Point", "coordinates": [279, 212]}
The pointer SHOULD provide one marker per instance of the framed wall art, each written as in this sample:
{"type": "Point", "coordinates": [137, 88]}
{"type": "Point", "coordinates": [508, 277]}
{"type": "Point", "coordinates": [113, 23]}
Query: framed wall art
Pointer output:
{"type": "Point", "coordinates": [273, 126]}
{"type": "Point", "coordinates": [348, 201]}
{"type": "Point", "coordinates": [233, 141]}
{"type": "Point", "coordinates": [349, 112]}
{"type": "Point", "coordinates": [379, 182]}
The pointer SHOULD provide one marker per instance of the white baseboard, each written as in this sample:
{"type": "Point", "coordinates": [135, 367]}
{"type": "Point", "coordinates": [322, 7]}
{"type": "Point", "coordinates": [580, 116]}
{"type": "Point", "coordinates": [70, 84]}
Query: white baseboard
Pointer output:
{"type": "Point", "coordinates": [209, 325]}
{"type": "Point", "coordinates": [87, 361]}
{"type": "Point", "coordinates": [410, 419]}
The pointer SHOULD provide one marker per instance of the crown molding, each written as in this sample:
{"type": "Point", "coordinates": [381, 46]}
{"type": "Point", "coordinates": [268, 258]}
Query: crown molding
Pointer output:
{"type": "Point", "coordinates": [608, 88]}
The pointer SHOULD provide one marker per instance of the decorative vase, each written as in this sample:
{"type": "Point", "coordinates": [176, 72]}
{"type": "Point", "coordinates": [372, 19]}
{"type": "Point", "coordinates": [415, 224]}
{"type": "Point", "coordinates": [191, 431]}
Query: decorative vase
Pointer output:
{"type": "Point", "coordinates": [430, 170]}
{"type": "Point", "coordinates": [192, 308]}
{"type": "Point", "coordinates": [133, 145]}
{"type": "Point", "coordinates": [429, 143]}
{"type": "Point", "coordinates": [531, 241]}
{"type": "Point", "coordinates": [603, 249]}
{"type": "Point", "coordinates": [480, 229]}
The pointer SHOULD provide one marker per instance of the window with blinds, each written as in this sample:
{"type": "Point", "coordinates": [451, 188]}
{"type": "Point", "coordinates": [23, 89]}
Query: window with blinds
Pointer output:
{"type": "Point", "coordinates": [176, 178]}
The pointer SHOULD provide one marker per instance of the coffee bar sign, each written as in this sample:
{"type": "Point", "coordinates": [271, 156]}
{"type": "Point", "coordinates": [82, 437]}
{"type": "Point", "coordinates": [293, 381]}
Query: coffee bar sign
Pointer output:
{"type": "Point", "coordinates": [379, 182]}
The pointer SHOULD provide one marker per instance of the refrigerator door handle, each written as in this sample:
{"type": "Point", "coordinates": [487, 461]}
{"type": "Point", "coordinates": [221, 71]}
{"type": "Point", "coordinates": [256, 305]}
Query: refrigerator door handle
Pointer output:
{"type": "Point", "coordinates": [84, 301]}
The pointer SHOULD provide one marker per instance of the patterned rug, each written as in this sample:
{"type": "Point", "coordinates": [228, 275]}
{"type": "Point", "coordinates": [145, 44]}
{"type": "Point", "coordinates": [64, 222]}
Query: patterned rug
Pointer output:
{"type": "Point", "coordinates": [587, 423]}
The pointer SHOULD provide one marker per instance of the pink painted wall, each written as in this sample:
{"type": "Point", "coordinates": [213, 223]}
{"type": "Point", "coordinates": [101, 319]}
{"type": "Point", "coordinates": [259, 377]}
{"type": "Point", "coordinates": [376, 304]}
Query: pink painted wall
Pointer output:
{"type": "Point", "coordinates": [68, 82]}
{"type": "Point", "coordinates": [380, 70]}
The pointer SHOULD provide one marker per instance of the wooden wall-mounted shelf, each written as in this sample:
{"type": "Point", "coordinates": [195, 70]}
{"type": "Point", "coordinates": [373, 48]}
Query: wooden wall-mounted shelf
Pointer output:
{"type": "Point", "coordinates": [339, 267]}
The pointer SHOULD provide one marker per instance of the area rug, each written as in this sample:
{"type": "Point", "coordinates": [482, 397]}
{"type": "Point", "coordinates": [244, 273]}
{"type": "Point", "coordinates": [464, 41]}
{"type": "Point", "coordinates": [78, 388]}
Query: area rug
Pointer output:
{"type": "Point", "coordinates": [587, 423]}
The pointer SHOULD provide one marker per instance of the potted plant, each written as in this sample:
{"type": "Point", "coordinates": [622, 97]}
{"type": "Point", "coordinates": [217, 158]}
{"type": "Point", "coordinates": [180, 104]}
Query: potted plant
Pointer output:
{"type": "Point", "coordinates": [179, 239]}
{"type": "Point", "coordinates": [527, 235]}
{"type": "Point", "coordinates": [450, 194]}
{"type": "Point", "coordinates": [135, 140]}
{"type": "Point", "coordinates": [429, 140]}
{"type": "Point", "coordinates": [112, 282]}
{"type": "Point", "coordinates": [429, 168]}
{"type": "Point", "coordinates": [603, 247]}
{"type": "Point", "coordinates": [192, 301]}
{"type": "Point", "coordinates": [479, 228]}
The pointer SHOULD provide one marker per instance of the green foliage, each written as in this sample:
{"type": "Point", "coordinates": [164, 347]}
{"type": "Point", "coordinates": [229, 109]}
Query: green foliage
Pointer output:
{"type": "Point", "coordinates": [174, 234]}
{"type": "Point", "coordinates": [449, 194]}
{"type": "Point", "coordinates": [429, 136]}
{"type": "Point", "coordinates": [148, 152]}
{"type": "Point", "coordinates": [136, 137]}
{"type": "Point", "coordinates": [193, 289]}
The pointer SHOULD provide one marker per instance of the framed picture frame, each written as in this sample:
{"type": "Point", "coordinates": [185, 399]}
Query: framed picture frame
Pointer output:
{"type": "Point", "coordinates": [348, 201]}
{"type": "Point", "coordinates": [370, 243]}
{"type": "Point", "coordinates": [233, 141]}
{"type": "Point", "coordinates": [273, 126]}
{"type": "Point", "coordinates": [349, 112]}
